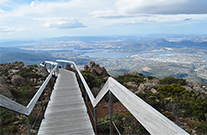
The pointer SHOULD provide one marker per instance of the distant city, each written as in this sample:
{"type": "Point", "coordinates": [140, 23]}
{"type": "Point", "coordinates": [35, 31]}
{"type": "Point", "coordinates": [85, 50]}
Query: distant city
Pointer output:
{"type": "Point", "coordinates": [177, 56]}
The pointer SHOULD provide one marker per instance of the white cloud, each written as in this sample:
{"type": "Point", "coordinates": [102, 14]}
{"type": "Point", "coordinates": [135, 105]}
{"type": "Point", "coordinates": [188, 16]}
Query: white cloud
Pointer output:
{"type": "Point", "coordinates": [95, 15]}
{"type": "Point", "coordinates": [10, 30]}
{"type": "Point", "coordinates": [133, 8]}
{"type": "Point", "coordinates": [61, 23]}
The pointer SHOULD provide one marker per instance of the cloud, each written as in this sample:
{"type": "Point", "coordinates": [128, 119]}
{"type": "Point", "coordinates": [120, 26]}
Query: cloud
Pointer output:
{"type": "Point", "coordinates": [187, 19]}
{"type": "Point", "coordinates": [10, 30]}
{"type": "Point", "coordinates": [133, 8]}
{"type": "Point", "coordinates": [61, 23]}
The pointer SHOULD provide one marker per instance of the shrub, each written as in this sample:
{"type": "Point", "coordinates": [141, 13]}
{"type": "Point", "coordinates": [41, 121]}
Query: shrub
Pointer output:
{"type": "Point", "coordinates": [202, 128]}
{"type": "Point", "coordinates": [192, 124]}
{"type": "Point", "coordinates": [169, 115]}
{"type": "Point", "coordinates": [131, 78]}
{"type": "Point", "coordinates": [93, 80]}
{"type": "Point", "coordinates": [171, 80]}
{"type": "Point", "coordinates": [12, 129]}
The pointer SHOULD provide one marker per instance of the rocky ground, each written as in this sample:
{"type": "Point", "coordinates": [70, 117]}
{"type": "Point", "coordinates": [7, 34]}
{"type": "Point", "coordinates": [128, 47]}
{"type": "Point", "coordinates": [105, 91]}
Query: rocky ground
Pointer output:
{"type": "Point", "coordinates": [20, 82]}
{"type": "Point", "coordinates": [148, 87]}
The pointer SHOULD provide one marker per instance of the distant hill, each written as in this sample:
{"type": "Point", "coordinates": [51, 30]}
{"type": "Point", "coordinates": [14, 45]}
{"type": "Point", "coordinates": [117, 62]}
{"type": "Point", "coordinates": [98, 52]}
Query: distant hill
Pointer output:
{"type": "Point", "coordinates": [27, 58]}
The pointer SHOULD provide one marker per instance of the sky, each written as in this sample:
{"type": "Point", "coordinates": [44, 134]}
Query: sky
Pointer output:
{"type": "Point", "coordinates": [21, 19]}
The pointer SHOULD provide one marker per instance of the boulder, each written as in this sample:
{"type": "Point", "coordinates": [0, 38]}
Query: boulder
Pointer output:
{"type": "Point", "coordinates": [104, 72]}
{"type": "Point", "coordinates": [43, 71]}
{"type": "Point", "coordinates": [5, 90]}
{"type": "Point", "coordinates": [96, 69]}
{"type": "Point", "coordinates": [146, 87]}
{"type": "Point", "coordinates": [13, 71]}
{"type": "Point", "coordinates": [198, 88]}
{"type": "Point", "coordinates": [92, 63]}
{"type": "Point", "coordinates": [86, 68]}
{"type": "Point", "coordinates": [2, 80]}
{"type": "Point", "coordinates": [187, 88]}
{"type": "Point", "coordinates": [153, 90]}
{"type": "Point", "coordinates": [17, 79]}
{"type": "Point", "coordinates": [68, 67]}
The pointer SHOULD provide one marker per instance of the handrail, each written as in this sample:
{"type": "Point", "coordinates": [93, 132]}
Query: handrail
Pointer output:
{"type": "Point", "coordinates": [154, 122]}
{"type": "Point", "coordinates": [32, 103]}
{"type": "Point", "coordinates": [14, 106]}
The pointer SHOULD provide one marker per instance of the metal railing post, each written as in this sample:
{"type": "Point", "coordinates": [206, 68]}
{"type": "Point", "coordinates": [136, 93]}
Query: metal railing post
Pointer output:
{"type": "Point", "coordinates": [111, 112]}
{"type": "Point", "coordinates": [42, 107]}
{"type": "Point", "coordinates": [28, 127]}
{"type": "Point", "coordinates": [48, 86]}
{"type": "Point", "coordinates": [95, 122]}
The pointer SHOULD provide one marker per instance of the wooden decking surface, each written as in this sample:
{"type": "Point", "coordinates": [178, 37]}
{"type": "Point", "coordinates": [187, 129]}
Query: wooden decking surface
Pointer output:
{"type": "Point", "coordinates": [66, 112]}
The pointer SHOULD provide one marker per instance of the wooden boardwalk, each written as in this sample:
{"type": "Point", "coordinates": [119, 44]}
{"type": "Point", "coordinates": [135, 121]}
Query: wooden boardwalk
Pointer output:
{"type": "Point", "coordinates": [66, 112]}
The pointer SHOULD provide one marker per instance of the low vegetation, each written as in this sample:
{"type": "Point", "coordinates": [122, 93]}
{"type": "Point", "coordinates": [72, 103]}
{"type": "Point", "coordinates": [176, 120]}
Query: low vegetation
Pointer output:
{"type": "Point", "coordinates": [189, 107]}
{"type": "Point", "coordinates": [22, 92]}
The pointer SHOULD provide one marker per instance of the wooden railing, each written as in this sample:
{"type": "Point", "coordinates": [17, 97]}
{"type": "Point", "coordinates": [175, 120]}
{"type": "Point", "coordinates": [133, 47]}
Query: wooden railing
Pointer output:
{"type": "Point", "coordinates": [154, 122]}
{"type": "Point", "coordinates": [16, 107]}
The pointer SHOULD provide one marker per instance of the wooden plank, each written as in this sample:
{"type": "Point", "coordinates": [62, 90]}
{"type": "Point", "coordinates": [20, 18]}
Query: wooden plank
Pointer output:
{"type": "Point", "coordinates": [12, 105]}
{"type": "Point", "coordinates": [66, 112]}
{"type": "Point", "coordinates": [151, 119]}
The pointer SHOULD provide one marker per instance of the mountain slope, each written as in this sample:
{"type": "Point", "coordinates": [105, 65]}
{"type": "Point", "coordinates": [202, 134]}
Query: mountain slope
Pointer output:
{"type": "Point", "coordinates": [25, 57]}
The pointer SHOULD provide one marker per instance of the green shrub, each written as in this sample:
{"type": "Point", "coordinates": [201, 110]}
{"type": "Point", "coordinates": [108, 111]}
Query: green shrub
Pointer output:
{"type": "Point", "coordinates": [171, 80]}
{"type": "Point", "coordinates": [126, 124]}
{"type": "Point", "coordinates": [22, 120]}
{"type": "Point", "coordinates": [93, 80]}
{"type": "Point", "coordinates": [192, 124]}
{"type": "Point", "coordinates": [139, 78]}
{"type": "Point", "coordinates": [202, 128]}
{"type": "Point", "coordinates": [12, 129]}
{"type": "Point", "coordinates": [169, 115]}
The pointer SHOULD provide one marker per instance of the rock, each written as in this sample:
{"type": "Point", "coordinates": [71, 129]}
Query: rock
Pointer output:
{"type": "Point", "coordinates": [131, 84]}
{"type": "Point", "coordinates": [146, 87]}
{"type": "Point", "coordinates": [96, 69]}
{"type": "Point", "coordinates": [131, 73]}
{"type": "Point", "coordinates": [92, 63]}
{"type": "Point", "coordinates": [2, 80]}
{"type": "Point", "coordinates": [104, 72]}
{"type": "Point", "coordinates": [201, 94]}
{"type": "Point", "coordinates": [86, 68]}
{"type": "Point", "coordinates": [5, 90]}
{"type": "Point", "coordinates": [68, 67]}
{"type": "Point", "coordinates": [20, 64]}
{"type": "Point", "coordinates": [43, 71]}
{"type": "Point", "coordinates": [188, 88]}
{"type": "Point", "coordinates": [13, 71]}
{"type": "Point", "coordinates": [92, 70]}
{"type": "Point", "coordinates": [33, 131]}
{"type": "Point", "coordinates": [139, 91]}
{"type": "Point", "coordinates": [198, 88]}
{"type": "Point", "coordinates": [153, 90]}
{"type": "Point", "coordinates": [17, 79]}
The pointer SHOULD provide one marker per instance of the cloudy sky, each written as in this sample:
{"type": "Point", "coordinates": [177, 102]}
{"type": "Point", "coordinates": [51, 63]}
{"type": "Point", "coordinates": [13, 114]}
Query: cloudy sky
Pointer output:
{"type": "Point", "coordinates": [54, 18]}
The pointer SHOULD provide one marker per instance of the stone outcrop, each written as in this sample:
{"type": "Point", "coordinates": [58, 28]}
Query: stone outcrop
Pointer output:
{"type": "Point", "coordinates": [5, 90]}
{"type": "Point", "coordinates": [43, 71]}
{"type": "Point", "coordinates": [17, 79]}
{"type": "Point", "coordinates": [19, 83]}
{"type": "Point", "coordinates": [68, 67]}
{"type": "Point", "coordinates": [148, 87]}
{"type": "Point", "coordinates": [2, 80]}
{"type": "Point", "coordinates": [96, 69]}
